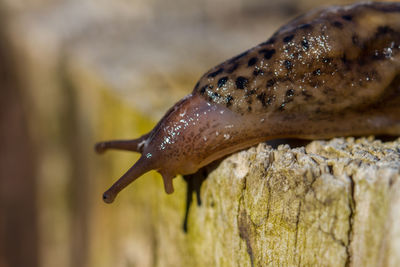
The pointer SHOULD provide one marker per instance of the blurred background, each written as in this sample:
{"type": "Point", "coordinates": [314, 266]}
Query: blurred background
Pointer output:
{"type": "Point", "coordinates": [73, 72]}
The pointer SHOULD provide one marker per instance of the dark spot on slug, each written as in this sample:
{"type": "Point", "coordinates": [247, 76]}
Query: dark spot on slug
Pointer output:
{"type": "Point", "coordinates": [288, 38]}
{"type": "Point", "coordinates": [326, 60]}
{"type": "Point", "coordinates": [270, 99]}
{"type": "Point", "coordinates": [258, 72]}
{"type": "Point", "coordinates": [382, 30]}
{"type": "Point", "coordinates": [295, 55]}
{"type": "Point", "coordinates": [251, 92]}
{"type": "Point", "coordinates": [268, 53]}
{"type": "Point", "coordinates": [317, 72]}
{"type": "Point", "coordinates": [249, 108]}
{"type": "Point", "coordinates": [270, 82]}
{"type": "Point", "coordinates": [215, 73]}
{"type": "Point", "coordinates": [271, 41]}
{"type": "Point", "coordinates": [241, 82]}
{"type": "Point", "coordinates": [268, 42]}
{"type": "Point", "coordinates": [262, 97]}
{"type": "Point", "coordinates": [378, 55]}
{"type": "Point", "coordinates": [228, 100]}
{"type": "Point", "coordinates": [215, 95]}
{"type": "Point", "coordinates": [305, 44]}
{"type": "Point", "coordinates": [222, 81]}
{"type": "Point", "coordinates": [338, 24]}
{"type": "Point", "coordinates": [203, 89]}
{"type": "Point", "coordinates": [305, 26]}
{"type": "Point", "coordinates": [290, 93]}
{"type": "Point", "coordinates": [252, 61]}
{"type": "Point", "coordinates": [238, 56]}
{"type": "Point", "coordinates": [233, 68]}
{"type": "Point", "coordinates": [288, 64]}
{"type": "Point", "coordinates": [347, 17]}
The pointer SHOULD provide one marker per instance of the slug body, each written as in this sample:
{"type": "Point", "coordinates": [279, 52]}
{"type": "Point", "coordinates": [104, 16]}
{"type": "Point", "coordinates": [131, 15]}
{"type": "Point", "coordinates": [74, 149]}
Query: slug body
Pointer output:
{"type": "Point", "coordinates": [332, 72]}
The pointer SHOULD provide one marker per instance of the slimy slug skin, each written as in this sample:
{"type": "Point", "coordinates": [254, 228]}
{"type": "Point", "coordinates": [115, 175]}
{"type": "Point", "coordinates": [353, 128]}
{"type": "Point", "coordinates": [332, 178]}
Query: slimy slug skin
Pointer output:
{"type": "Point", "coordinates": [331, 72]}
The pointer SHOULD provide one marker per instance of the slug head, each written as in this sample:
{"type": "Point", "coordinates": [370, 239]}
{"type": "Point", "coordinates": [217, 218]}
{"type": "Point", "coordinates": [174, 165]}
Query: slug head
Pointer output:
{"type": "Point", "coordinates": [191, 134]}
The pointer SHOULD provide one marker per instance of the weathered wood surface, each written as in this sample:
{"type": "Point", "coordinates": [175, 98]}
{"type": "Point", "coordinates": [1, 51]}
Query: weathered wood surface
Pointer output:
{"type": "Point", "coordinates": [101, 76]}
{"type": "Point", "coordinates": [332, 203]}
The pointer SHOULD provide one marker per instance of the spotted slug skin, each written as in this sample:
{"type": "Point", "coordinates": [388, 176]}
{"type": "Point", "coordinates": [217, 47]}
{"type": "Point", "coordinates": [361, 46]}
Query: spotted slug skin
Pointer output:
{"type": "Point", "coordinates": [331, 72]}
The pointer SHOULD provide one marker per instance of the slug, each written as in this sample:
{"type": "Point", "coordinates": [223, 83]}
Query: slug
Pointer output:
{"type": "Point", "coordinates": [331, 72]}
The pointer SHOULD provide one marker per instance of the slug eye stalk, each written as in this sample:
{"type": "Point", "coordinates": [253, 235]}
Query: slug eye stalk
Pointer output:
{"type": "Point", "coordinates": [138, 169]}
{"type": "Point", "coordinates": [134, 145]}
{"type": "Point", "coordinates": [142, 166]}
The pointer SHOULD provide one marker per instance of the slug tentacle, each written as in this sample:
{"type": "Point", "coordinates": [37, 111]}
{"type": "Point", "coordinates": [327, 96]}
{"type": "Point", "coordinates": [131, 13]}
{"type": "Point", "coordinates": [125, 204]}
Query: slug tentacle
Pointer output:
{"type": "Point", "coordinates": [135, 145]}
{"type": "Point", "coordinates": [331, 72]}
{"type": "Point", "coordinates": [141, 167]}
